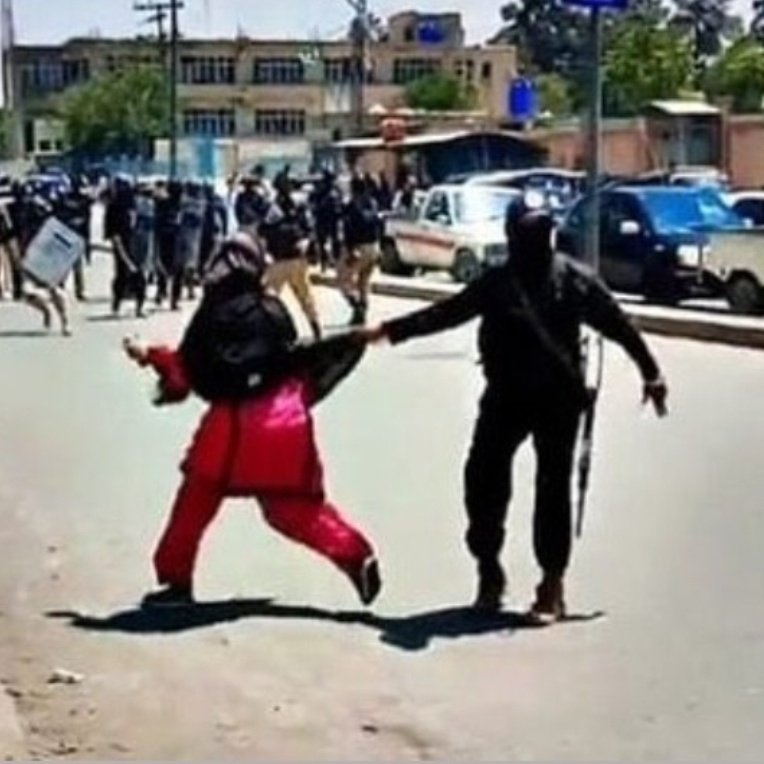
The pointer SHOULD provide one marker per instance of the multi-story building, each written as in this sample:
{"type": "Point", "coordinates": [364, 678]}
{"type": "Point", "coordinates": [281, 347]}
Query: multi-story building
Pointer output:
{"type": "Point", "coordinates": [270, 89]}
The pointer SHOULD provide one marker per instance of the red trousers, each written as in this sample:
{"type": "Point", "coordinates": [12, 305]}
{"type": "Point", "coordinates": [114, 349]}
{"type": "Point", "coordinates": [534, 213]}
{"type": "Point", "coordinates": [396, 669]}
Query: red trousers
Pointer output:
{"type": "Point", "coordinates": [308, 520]}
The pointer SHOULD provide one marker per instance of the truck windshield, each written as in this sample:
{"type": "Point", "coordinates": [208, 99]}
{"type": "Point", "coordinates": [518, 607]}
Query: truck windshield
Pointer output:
{"type": "Point", "coordinates": [676, 211]}
{"type": "Point", "coordinates": [482, 205]}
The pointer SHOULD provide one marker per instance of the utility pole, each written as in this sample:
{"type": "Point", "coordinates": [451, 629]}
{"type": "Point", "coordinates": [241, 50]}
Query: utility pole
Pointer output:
{"type": "Point", "coordinates": [7, 62]}
{"type": "Point", "coordinates": [359, 36]}
{"type": "Point", "coordinates": [594, 140]}
{"type": "Point", "coordinates": [160, 9]}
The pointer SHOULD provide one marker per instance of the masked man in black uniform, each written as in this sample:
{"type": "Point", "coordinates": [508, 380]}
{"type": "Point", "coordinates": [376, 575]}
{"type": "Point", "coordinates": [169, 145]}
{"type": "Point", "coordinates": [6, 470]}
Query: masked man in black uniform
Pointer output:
{"type": "Point", "coordinates": [531, 313]}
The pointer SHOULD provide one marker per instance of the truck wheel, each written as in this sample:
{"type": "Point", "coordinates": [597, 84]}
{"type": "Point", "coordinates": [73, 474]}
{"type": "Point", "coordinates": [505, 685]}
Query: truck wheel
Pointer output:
{"type": "Point", "coordinates": [466, 267]}
{"type": "Point", "coordinates": [744, 295]}
{"type": "Point", "coordinates": [390, 261]}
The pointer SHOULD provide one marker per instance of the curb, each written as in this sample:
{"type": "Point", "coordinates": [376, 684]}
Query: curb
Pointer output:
{"type": "Point", "coordinates": [737, 331]}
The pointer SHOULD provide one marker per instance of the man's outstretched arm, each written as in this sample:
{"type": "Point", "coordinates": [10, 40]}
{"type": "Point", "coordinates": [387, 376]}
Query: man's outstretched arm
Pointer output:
{"type": "Point", "coordinates": [447, 314]}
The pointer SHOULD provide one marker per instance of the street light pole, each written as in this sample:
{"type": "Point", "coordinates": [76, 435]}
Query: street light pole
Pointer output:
{"type": "Point", "coordinates": [594, 140]}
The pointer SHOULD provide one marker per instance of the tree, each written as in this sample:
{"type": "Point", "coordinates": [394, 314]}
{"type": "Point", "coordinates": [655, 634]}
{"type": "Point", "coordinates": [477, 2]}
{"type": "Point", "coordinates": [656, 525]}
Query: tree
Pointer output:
{"type": "Point", "coordinates": [439, 92]}
{"type": "Point", "coordinates": [121, 112]}
{"type": "Point", "coordinates": [739, 75]}
{"type": "Point", "coordinates": [708, 24]}
{"type": "Point", "coordinates": [551, 37]}
{"type": "Point", "coordinates": [757, 22]}
{"type": "Point", "coordinates": [554, 95]}
{"type": "Point", "coordinates": [644, 63]}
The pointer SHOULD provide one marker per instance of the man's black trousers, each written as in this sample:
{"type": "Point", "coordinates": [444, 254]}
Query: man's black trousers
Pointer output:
{"type": "Point", "coordinates": [505, 421]}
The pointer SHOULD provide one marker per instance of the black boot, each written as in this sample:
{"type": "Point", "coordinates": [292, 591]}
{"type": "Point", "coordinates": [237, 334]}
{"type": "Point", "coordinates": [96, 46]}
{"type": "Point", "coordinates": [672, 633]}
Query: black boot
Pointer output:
{"type": "Point", "coordinates": [367, 580]}
{"type": "Point", "coordinates": [359, 314]}
{"type": "Point", "coordinates": [492, 583]}
{"type": "Point", "coordinates": [549, 606]}
{"type": "Point", "coordinates": [169, 597]}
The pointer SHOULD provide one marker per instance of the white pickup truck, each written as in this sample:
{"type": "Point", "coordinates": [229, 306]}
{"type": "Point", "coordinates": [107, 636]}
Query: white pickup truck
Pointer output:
{"type": "Point", "coordinates": [736, 259]}
{"type": "Point", "coordinates": [455, 228]}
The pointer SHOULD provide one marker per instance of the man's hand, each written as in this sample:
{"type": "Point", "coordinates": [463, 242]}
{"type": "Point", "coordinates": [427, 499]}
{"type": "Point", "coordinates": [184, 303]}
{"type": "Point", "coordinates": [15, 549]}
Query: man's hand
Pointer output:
{"type": "Point", "coordinates": [135, 350]}
{"type": "Point", "coordinates": [656, 392]}
{"type": "Point", "coordinates": [374, 335]}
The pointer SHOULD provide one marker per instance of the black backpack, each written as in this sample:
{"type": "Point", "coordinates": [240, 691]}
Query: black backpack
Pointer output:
{"type": "Point", "coordinates": [238, 343]}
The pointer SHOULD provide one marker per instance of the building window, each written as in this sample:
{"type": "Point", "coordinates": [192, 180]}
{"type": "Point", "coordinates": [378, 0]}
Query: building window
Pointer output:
{"type": "Point", "coordinates": [338, 70]}
{"type": "Point", "coordinates": [280, 122]}
{"type": "Point", "coordinates": [487, 71]}
{"type": "Point", "coordinates": [406, 70]}
{"type": "Point", "coordinates": [75, 72]}
{"type": "Point", "coordinates": [279, 71]}
{"type": "Point", "coordinates": [209, 123]}
{"type": "Point", "coordinates": [207, 70]}
{"type": "Point", "coordinates": [42, 77]}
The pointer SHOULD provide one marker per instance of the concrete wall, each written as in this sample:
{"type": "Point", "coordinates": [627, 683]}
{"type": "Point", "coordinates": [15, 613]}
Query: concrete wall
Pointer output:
{"type": "Point", "coordinates": [745, 150]}
{"type": "Point", "coordinates": [628, 148]}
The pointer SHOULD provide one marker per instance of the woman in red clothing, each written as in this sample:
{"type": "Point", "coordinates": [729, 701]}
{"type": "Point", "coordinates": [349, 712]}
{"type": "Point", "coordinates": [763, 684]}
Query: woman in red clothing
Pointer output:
{"type": "Point", "coordinates": [257, 438]}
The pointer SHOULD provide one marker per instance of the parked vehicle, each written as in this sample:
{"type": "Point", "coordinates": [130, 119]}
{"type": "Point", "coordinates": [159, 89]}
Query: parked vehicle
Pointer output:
{"type": "Point", "coordinates": [456, 228]}
{"type": "Point", "coordinates": [559, 187]}
{"type": "Point", "coordinates": [749, 205]}
{"type": "Point", "coordinates": [692, 176]}
{"type": "Point", "coordinates": [653, 239]}
{"type": "Point", "coordinates": [736, 259]}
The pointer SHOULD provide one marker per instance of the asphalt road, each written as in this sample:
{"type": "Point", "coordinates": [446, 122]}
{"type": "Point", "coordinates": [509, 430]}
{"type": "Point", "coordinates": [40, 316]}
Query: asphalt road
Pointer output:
{"type": "Point", "coordinates": [279, 664]}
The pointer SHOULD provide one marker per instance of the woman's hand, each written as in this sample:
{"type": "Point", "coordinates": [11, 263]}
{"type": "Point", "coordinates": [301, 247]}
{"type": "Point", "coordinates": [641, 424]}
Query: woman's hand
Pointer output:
{"type": "Point", "coordinates": [374, 335]}
{"type": "Point", "coordinates": [135, 350]}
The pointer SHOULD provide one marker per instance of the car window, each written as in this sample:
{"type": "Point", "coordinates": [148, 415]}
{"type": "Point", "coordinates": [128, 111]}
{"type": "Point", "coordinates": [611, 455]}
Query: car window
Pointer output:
{"type": "Point", "coordinates": [576, 217]}
{"type": "Point", "coordinates": [619, 209]}
{"type": "Point", "coordinates": [672, 211]}
{"type": "Point", "coordinates": [437, 207]}
{"type": "Point", "coordinates": [483, 204]}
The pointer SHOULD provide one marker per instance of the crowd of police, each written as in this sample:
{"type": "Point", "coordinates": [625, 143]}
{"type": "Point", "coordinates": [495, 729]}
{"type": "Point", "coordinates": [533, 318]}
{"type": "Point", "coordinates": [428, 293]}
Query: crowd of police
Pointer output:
{"type": "Point", "coordinates": [24, 208]}
{"type": "Point", "coordinates": [164, 233]}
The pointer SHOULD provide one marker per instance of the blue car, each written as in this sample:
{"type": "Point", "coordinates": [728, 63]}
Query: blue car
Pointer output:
{"type": "Point", "coordinates": [653, 238]}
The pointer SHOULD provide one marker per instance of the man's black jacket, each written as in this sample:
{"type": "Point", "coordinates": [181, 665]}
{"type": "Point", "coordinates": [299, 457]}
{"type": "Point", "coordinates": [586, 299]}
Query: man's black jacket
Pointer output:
{"type": "Point", "coordinates": [530, 340]}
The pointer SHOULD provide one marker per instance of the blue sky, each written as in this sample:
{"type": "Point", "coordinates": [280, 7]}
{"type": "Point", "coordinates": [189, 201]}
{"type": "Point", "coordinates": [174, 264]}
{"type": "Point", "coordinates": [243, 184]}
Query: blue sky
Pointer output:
{"type": "Point", "coordinates": [39, 21]}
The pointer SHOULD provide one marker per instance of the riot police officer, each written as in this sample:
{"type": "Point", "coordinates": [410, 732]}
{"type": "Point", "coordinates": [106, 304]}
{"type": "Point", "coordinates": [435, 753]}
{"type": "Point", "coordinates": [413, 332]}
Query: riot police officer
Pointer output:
{"type": "Point", "coordinates": [531, 313]}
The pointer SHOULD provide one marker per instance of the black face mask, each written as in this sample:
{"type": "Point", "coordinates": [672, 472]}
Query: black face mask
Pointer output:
{"type": "Point", "coordinates": [530, 248]}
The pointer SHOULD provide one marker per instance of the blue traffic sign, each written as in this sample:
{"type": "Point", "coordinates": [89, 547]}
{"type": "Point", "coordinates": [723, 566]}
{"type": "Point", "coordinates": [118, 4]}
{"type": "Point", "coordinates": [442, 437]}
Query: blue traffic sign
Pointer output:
{"type": "Point", "coordinates": [617, 5]}
{"type": "Point", "coordinates": [522, 100]}
{"type": "Point", "coordinates": [431, 32]}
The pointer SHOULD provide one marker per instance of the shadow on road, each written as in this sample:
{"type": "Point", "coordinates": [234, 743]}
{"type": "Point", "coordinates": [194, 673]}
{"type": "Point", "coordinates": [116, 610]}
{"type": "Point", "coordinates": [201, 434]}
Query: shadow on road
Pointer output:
{"type": "Point", "coordinates": [410, 633]}
{"type": "Point", "coordinates": [26, 334]}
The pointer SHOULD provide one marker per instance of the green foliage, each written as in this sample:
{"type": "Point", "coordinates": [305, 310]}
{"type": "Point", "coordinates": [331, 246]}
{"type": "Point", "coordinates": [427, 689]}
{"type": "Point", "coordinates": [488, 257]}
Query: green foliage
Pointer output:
{"type": "Point", "coordinates": [644, 63]}
{"type": "Point", "coordinates": [739, 75]}
{"type": "Point", "coordinates": [554, 95]}
{"type": "Point", "coordinates": [120, 112]}
{"type": "Point", "coordinates": [439, 92]}
{"type": "Point", "coordinates": [707, 25]}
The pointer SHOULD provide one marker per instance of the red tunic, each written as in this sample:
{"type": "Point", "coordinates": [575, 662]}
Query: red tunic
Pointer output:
{"type": "Point", "coordinates": [264, 444]}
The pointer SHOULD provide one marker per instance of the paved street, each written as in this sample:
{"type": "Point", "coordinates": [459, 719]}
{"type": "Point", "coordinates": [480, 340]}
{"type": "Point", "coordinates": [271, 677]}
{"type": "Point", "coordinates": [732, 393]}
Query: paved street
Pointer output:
{"type": "Point", "coordinates": [279, 664]}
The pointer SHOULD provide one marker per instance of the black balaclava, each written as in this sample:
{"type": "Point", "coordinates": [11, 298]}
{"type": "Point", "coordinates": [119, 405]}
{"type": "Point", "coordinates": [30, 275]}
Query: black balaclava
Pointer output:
{"type": "Point", "coordinates": [529, 240]}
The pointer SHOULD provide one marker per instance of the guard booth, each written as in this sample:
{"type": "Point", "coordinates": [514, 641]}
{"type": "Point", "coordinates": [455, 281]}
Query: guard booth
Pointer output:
{"type": "Point", "coordinates": [685, 134]}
